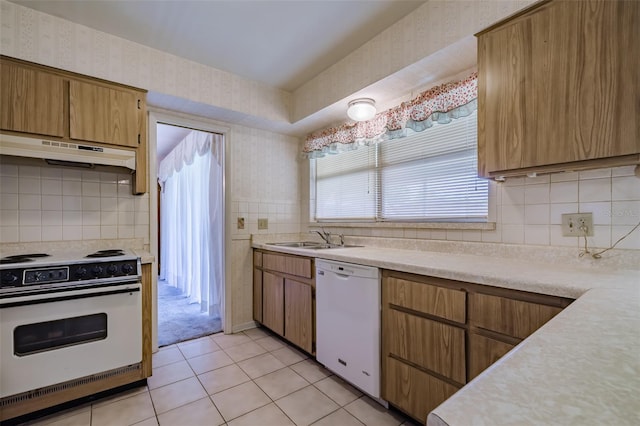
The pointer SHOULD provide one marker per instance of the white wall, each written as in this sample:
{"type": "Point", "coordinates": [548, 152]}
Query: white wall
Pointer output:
{"type": "Point", "coordinates": [430, 28]}
{"type": "Point", "coordinates": [265, 184]}
{"type": "Point", "coordinates": [45, 39]}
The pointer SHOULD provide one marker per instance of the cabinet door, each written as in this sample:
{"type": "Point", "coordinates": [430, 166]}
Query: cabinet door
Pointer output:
{"type": "Point", "coordinates": [298, 312]}
{"type": "Point", "coordinates": [257, 294]}
{"type": "Point", "coordinates": [412, 390]}
{"type": "Point", "coordinates": [273, 302]}
{"type": "Point", "coordinates": [559, 84]}
{"type": "Point", "coordinates": [484, 351]}
{"type": "Point", "coordinates": [103, 114]}
{"type": "Point", "coordinates": [31, 100]}
{"type": "Point", "coordinates": [147, 320]}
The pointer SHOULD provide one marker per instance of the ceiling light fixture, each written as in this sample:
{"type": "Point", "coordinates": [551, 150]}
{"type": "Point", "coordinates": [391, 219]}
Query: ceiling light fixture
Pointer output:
{"type": "Point", "coordinates": [361, 109]}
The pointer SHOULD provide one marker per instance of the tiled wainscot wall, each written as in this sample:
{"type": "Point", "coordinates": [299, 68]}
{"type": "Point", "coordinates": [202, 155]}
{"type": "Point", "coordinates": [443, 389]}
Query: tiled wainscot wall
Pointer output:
{"type": "Point", "coordinates": [527, 211]}
{"type": "Point", "coordinates": [530, 209]}
{"type": "Point", "coordinates": [51, 203]}
{"type": "Point", "coordinates": [265, 167]}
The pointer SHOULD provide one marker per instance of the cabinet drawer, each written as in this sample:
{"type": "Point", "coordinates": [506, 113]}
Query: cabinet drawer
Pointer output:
{"type": "Point", "coordinates": [508, 316]}
{"type": "Point", "coordinates": [412, 390]}
{"type": "Point", "coordinates": [430, 344]}
{"type": "Point", "coordinates": [257, 259]}
{"type": "Point", "coordinates": [430, 299]}
{"type": "Point", "coordinates": [484, 351]}
{"type": "Point", "coordinates": [293, 265]}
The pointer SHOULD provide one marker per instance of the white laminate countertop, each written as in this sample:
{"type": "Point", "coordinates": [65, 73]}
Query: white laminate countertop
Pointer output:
{"type": "Point", "coordinates": [557, 280]}
{"type": "Point", "coordinates": [582, 367]}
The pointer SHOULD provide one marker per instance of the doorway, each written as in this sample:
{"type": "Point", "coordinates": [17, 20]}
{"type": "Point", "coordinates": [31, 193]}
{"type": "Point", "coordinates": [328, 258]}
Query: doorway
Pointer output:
{"type": "Point", "coordinates": [190, 232]}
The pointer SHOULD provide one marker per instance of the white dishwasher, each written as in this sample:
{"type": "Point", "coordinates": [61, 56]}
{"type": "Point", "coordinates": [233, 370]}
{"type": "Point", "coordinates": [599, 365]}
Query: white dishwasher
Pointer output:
{"type": "Point", "coordinates": [348, 322]}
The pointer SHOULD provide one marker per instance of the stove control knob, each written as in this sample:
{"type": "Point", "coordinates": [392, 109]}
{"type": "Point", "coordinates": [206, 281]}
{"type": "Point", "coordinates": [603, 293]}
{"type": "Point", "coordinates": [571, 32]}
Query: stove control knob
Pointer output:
{"type": "Point", "coordinates": [127, 268]}
{"type": "Point", "coordinates": [112, 269]}
{"type": "Point", "coordinates": [81, 272]}
{"type": "Point", "coordinates": [9, 278]}
{"type": "Point", "coordinates": [96, 270]}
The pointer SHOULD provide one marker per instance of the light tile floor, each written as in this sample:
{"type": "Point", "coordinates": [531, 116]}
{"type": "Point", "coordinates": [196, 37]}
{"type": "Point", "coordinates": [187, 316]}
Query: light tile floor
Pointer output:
{"type": "Point", "coordinates": [244, 379]}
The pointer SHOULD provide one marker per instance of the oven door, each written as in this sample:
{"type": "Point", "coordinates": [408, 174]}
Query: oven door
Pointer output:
{"type": "Point", "coordinates": [50, 338]}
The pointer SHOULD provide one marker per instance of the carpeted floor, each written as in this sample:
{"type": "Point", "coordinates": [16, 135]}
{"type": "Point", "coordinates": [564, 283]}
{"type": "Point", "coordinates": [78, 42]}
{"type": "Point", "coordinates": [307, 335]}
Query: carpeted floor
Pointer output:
{"type": "Point", "coordinates": [178, 320]}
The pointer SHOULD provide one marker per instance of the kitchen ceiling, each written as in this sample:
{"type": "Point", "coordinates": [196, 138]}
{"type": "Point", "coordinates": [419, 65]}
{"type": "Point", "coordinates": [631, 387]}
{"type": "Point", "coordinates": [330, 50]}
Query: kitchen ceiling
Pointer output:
{"type": "Point", "coordinates": [281, 43]}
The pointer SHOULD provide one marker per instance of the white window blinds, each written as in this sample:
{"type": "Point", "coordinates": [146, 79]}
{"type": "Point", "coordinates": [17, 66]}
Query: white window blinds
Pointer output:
{"type": "Point", "coordinates": [345, 185]}
{"type": "Point", "coordinates": [426, 176]}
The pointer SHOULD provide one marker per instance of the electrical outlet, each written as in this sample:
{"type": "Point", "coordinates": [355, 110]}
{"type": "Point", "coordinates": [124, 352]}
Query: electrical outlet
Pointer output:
{"type": "Point", "coordinates": [263, 223]}
{"type": "Point", "coordinates": [241, 223]}
{"type": "Point", "coordinates": [575, 224]}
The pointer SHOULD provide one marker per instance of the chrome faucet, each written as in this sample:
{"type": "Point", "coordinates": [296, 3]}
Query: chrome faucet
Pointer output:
{"type": "Point", "coordinates": [326, 236]}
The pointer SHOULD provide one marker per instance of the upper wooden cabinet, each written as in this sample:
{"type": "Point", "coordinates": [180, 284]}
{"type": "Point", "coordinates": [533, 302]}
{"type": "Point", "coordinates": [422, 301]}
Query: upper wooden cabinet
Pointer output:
{"type": "Point", "coordinates": [69, 107]}
{"type": "Point", "coordinates": [103, 114]}
{"type": "Point", "coordinates": [559, 88]}
{"type": "Point", "coordinates": [31, 100]}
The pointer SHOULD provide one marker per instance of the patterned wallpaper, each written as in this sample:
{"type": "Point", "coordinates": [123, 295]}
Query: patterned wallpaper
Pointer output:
{"type": "Point", "coordinates": [38, 37]}
{"type": "Point", "coordinates": [431, 27]}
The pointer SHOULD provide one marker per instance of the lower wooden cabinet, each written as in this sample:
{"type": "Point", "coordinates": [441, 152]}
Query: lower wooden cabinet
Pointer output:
{"type": "Point", "coordinates": [423, 341]}
{"type": "Point", "coordinates": [439, 334]}
{"type": "Point", "coordinates": [284, 296]}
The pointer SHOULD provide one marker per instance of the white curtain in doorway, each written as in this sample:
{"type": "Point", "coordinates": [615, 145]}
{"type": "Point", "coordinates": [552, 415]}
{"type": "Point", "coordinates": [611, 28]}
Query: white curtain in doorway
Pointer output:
{"type": "Point", "coordinates": [191, 227]}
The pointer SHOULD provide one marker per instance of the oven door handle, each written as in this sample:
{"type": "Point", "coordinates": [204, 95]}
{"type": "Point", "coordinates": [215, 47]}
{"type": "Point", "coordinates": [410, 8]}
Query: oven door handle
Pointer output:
{"type": "Point", "coordinates": [36, 299]}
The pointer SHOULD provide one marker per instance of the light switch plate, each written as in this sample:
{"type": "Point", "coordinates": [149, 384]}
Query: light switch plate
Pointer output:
{"type": "Point", "coordinates": [573, 224]}
{"type": "Point", "coordinates": [263, 223]}
{"type": "Point", "coordinates": [241, 223]}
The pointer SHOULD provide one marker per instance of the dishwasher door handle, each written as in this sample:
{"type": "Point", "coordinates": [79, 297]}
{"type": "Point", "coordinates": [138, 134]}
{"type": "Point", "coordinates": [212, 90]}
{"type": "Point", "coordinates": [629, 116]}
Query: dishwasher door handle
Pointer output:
{"type": "Point", "coordinates": [341, 276]}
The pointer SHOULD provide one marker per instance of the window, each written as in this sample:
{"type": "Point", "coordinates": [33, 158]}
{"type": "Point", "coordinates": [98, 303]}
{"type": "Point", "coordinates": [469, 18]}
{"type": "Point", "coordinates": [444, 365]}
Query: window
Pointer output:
{"type": "Point", "coordinates": [426, 176]}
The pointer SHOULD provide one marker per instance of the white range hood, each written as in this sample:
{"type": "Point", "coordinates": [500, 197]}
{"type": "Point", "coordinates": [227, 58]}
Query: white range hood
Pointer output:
{"type": "Point", "coordinates": [66, 152]}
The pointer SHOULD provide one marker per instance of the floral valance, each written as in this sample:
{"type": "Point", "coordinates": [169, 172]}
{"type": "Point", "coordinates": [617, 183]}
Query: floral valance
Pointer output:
{"type": "Point", "coordinates": [439, 104]}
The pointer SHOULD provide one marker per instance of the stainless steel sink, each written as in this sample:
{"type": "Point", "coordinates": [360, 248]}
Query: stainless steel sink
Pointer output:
{"type": "Point", "coordinates": [332, 246]}
{"type": "Point", "coordinates": [312, 245]}
{"type": "Point", "coordinates": [297, 244]}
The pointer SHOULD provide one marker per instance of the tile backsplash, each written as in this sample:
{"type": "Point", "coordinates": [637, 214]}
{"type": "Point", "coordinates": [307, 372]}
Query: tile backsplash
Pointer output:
{"type": "Point", "coordinates": [530, 209]}
{"type": "Point", "coordinates": [48, 203]}
{"type": "Point", "coordinates": [527, 211]}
